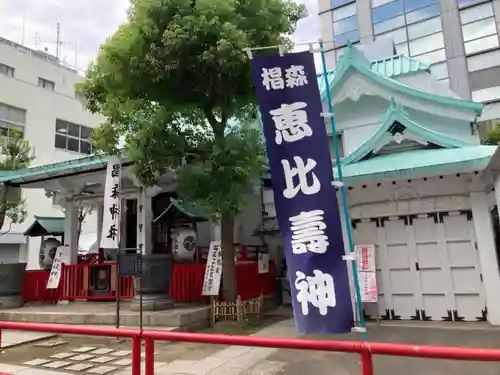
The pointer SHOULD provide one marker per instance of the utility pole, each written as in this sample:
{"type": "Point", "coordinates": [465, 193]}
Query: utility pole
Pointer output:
{"type": "Point", "coordinates": [58, 41]}
{"type": "Point", "coordinates": [24, 28]}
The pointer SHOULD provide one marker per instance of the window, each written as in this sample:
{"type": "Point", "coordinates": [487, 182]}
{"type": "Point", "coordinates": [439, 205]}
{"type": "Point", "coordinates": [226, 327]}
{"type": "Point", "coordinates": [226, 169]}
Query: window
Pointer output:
{"type": "Point", "coordinates": [386, 11]}
{"type": "Point", "coordinates": [485, 78]}
{"type": "Point", "coordinates": [428, 27]}
{"type": "Point", "coordinates": [464, 3]}
{"type": "Point", "coordinates": [428, 43]}
{"type": "Point", "coordinates": [73, 137]}
{"type": "Point", "coordinates": [440, 71]}
{"type": "Point", "coordinates": [432, 58]}
{"type": "Point", "coordinates": [6, 70]}
{"type": "Point", "coordinates": [11, 119]}
{"type": "Point", "coordinates": [423, 14]}
{"type": "Point", "coordinates": [391, 24]}
{"type": "Point", "coordinates": [338, 3]}
{"type": "Point", "coordinates": [483, 61]}
{"type": "Point", "coordinates": [486, 95]}
{"type": "Point", "coordinates": [414, 26]}
{"type": "Point", "coordinates": [479, 28]}
{"type": "Point", "coordinates": [345, 25]}
{"type": "Point", "coordinates": [46, 84]}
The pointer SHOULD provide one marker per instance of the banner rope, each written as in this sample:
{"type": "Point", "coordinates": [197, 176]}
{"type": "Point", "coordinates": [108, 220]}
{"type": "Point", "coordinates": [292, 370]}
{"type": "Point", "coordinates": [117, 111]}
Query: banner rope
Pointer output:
{"type": "Point", "coordinates": [340, 178]}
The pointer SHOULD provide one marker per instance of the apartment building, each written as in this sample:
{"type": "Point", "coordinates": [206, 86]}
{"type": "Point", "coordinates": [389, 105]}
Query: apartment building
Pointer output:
{"type": "Point", "coordinates": [38, 99]}
{"type": "Point", "coordinates": [457, 38]}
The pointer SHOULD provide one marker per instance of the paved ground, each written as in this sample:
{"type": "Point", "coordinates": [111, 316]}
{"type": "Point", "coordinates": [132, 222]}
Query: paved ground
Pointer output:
{"type": "Point", "coordinates": [91, 355]}
{"type": "Point", "coordinates": [13, 338]}
{"type": "Point", "coordinates": [321, 363]}
{"type": "Point", "coordinates": [217, 360]}
{"type": "Point", "coordinates": [104, 314]}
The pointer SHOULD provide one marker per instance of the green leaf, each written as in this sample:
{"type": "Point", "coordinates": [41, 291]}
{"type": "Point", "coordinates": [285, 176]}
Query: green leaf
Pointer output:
{"type": "Point", "coordinates": [175, 82]}
{"type": "Point", "coordinates": [493, 137]}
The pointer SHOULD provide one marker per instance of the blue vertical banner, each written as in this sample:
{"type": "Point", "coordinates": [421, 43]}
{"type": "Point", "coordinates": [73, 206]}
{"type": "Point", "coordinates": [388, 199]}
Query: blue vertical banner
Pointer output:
{"type": "Point", "coordinates": [306, 202]}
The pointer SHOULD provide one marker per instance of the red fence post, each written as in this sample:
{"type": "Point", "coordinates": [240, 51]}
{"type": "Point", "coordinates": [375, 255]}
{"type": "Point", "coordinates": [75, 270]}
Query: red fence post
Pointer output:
{"type": "Point", "coordinates": [136, 355]}
{"type": "Point", "coordinates": [366, 362]}
{"type": "Point", "coordinates": [149, 355]}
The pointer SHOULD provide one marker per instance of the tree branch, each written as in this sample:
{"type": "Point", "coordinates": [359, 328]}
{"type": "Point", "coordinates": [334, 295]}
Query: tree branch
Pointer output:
{"type": "Point", "coordinates": [217, 127]}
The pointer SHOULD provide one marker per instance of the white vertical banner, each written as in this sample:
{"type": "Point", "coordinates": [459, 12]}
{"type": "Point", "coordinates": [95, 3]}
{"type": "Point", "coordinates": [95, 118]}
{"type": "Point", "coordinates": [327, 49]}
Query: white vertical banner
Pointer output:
{"type": "Point", "coordinates": [61, 257]}
{"type": "Point", "coordinates": [110, 236]}
{"type": "Point", "coordinates": [213, 272]}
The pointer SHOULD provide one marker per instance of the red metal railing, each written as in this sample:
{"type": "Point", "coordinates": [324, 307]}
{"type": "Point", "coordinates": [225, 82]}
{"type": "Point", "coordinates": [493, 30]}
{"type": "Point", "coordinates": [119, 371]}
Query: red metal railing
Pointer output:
{"type": "Point", "coordinates": [76, 282]}
{"type": "Point", "coordinates": [34, 288]}
{"type": "Point", "coordinates": [88, 258]}
{"type": "Point", "coordinates": [365, 349]}
{"type": "Point", "coordinates": [185, 286]}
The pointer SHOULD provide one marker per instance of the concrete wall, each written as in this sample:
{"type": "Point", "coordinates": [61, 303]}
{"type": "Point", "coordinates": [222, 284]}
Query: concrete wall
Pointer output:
{"type": "Point", "coordinates": [42, 108]}
{"type": "Point", "coordinates": [454, 48]}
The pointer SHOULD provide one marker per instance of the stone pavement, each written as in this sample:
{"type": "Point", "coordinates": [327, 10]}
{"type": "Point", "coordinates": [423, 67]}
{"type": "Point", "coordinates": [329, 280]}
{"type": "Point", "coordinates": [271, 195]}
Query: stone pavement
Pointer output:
{"type": "Point", "coordinates": [12, 338]}
{"type": "Point", "coordinates": [447, 334]}
{"type": "Point", "coordinates": [236, 360]}
{"type": "Point", "coordinates": [90, 360]}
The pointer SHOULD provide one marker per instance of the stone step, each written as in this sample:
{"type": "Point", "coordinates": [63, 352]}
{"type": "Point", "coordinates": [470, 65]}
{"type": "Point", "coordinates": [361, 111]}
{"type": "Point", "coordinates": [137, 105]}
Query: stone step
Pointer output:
{"type": "Point", "coordinates": [185, 318]}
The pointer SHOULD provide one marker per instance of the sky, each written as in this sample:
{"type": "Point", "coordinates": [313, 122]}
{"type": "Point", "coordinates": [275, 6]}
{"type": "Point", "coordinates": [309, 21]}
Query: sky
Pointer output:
{"type": "Point", "coordinates": [85, 24]}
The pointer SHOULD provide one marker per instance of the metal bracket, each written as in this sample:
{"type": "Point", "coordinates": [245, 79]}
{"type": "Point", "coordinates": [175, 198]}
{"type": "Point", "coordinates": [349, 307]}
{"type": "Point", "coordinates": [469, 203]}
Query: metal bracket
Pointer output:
{"type": "Point", "coordinates": [249, 53]}
{"type": "Point", "coordinates": [337, 183]}
{"type": "Point", "coordinates": [326, 114]}
{"type": "Point", "coordinates": [358, 329]}
{"type": "Point", "coordinates": [349, 257]}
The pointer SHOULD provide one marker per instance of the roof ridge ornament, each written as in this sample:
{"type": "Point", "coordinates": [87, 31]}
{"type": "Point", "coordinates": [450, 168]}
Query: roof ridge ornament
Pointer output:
{"type": "Point", "coordinates": [353, 55]}
{"type": "Point", "coordinates": [397, 108]}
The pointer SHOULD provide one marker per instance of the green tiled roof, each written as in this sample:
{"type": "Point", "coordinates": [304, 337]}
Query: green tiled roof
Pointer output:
{"type": "Point", "coordinates": [392, 66]}
{"type": "Point", "coordinates": [398, 65]}
{"type": "Point", "coordinates": [190, 210]}
{"type": "Point", "coordinates": [378, 72]}
{"type": "Point", "coordinates": [418, 163]}
{"type": "Point", "coordinates": [396, 114]}
{"type": "Point", "coordinates": [54, 170]}
{"type": "Point", "coordinates": [46, 225]}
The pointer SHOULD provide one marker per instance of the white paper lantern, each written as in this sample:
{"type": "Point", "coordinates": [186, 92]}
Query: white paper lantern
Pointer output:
{"type": "Point", "coordinates": [47, 253]}
{"type": "Point", "coordinates": [184, 243]}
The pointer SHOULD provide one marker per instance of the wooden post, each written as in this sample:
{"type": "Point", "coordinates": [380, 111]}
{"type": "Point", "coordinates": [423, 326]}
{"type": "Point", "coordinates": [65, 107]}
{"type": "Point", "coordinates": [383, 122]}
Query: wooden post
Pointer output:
{"type": "Point", "coordinates": [212, 311]}
{"type": "Point", "coordinates": [239, 309]}
{"type": "Point", "coordinates": [261, 306]}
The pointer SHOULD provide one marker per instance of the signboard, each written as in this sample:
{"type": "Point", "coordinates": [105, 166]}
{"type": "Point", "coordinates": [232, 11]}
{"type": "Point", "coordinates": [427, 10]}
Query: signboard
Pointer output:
{"type": "Point", "coordinates": [61, 257]}
{"type": "Point", "coordinates": [213, 272]}
{"type": "Point", "coordinates": [130, 265]}
{"type": "Point", "coordinates": [263, 263]}
{"type": "Point", "coordinates": [365, 258]}
{"type": "Point", "coordinates": [368, 287]}
{"type": "Point", "coordinates": [367, 273]}
{"type": "Point", "coordinates": [306, 202]}
{"type": "Point", "coordinates": [110, 238]}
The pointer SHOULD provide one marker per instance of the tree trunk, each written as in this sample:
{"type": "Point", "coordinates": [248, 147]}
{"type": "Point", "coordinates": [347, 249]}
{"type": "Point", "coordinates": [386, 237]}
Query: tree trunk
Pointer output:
{"type": "Point", "coordinates": [229, 287]}
{"type": "Point", "coordinates": [3, 205]}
